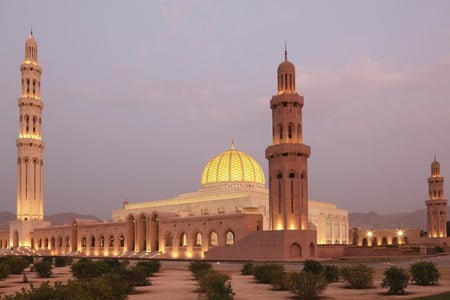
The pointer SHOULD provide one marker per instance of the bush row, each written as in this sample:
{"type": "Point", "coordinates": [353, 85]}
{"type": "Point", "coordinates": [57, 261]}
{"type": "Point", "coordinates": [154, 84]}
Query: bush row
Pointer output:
{"type": "Point", "coordinates": [99, 279]}
{"type": "Point", "coordinates": [215, 285]}
{"type": "Point", "coordinates": [314, 277]}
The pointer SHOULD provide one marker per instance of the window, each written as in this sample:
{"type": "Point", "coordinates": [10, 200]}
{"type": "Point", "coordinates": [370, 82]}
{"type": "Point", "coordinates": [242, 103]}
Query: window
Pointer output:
{"type": "Point", "coordinates": [229, 238]}
{"type": "Point", "coordinates": [183, 240]}
{"type": "Point", "coordinates": [111, 241]}
{"type": "Point", "coordinates": [290, 131]}
{"type": "Point", "coordinates": [122, 241]}
{"type": "Point", "coordinates": [198, 239]}
{"type": "Point", "coordinates": [83, 242]}
{"type": "Point", "coordinates": [102, 241]}
{"type": "Point", "coordinates": [169, 238]}
{"type": "Point", "coordinates": [93, 241]}
{"type": "Point", "coordinates": [213, 239]}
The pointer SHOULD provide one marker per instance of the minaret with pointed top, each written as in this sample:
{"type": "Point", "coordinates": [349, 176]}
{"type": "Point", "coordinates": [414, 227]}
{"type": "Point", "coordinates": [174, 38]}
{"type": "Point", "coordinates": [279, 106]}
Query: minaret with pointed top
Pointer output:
{"type": "Point", "coordinates": [436, 203]}
{"type": "Point", "coordinates": [288, 170]}
{"type": "Point", "coordinates": [30, 150]}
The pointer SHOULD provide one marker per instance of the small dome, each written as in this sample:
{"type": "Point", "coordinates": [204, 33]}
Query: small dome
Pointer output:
{"type": "Point", "coordinates": [286, 67]}
{"type": "Point", "coordinates": [232, 168]}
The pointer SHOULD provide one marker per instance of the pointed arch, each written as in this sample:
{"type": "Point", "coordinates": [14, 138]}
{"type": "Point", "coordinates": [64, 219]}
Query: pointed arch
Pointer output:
{"type": "Point", "coordinates": [229, 237]}
{"type": "Point", "coordinates": [295, 250]}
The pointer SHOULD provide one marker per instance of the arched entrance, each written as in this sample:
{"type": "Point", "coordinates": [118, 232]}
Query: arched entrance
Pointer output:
{"type": "Point", "coordinates": [312, 250]}
{"type": "Point", "coordinates": [384, 241]}
{"type": "Point", "coordinates": [131, 233]}
{"type": "Point", "coordinates": [142, 234]}
{"type": "Point", "coordinates": [374, 242]}
{"type": "Point", "coordinates": [154, 233]}
{"type": "Point", "coordinates": [15, 239]}
{"type": "Point", "coordinates": [295, 250]}
{"type": "Point", "coordinates": [395, 241]}
{"type": "Point", "coordinates": [364, 242]}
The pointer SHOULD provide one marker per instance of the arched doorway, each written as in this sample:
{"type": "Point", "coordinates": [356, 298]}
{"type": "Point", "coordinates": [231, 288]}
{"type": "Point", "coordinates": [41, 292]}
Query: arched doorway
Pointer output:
{"type": "Point", "coordinates": [364, 242]}
{"type": "Point", "coordinates": [384, 241]}
{"type": "Point", "coordinates": [15, 239]}
{"type": "Point", "coordinates": [312, 250]}
{"type": "Point", "coordinates": [131, 234]}
{"type": "Point", "coordinates": [142, 234]}
{"type": "Point", "coordinates": [406, 240]}
{"type": "Point", "coordinates": [154, 233]}
{"type": "Point", "coordinates": [394, 241]}
{"type": "Point", "coordinates": [374, 242]}
{"type": "Point", "coordinates": [295, 250]}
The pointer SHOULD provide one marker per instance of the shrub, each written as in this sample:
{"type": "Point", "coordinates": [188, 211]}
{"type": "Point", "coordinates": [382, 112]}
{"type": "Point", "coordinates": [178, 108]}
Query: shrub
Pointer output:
{"type": "Point", "coordinates": [307, 285]}
{"type": "Point", "coordinates": [247, 268]}
{"type": "Point", "coordinates": [281, 282]}
{"type": "Point", "coordinates": [101, 288]}
{"type": "Point", "coordinates": [48, 258]}
{"type": "Point", "coordinates": [15, 264]}
{"type": "Point", "coordinates": [61, 261]}
{"type": "Point", "coordinates": [266, 273]}
{"type": "Point", "coordinates": [331, 273]}
{"type": "Point", "coordinates": [134, 277]}
{"type": "Point", "coordinates": [4, 270]}
{"type": "Point", "coordinates": [424, 273]}
{"type": "Point", "coordinates": [313, 266]}
{"type": "Point", "coordinates": [43, 269]}
{"type": "Point", "coordinates": [86, 269]}
{"type": "Point", "coordinates": [215, 285]}
{"type": "Point", "coordinates": [150, 267]}
{"type": "Point", "coordinates": [396, 279]}
{"type": "Point", "coordinates": [357, 277]}
{"type": "Point", "coordinates": [199, 267]}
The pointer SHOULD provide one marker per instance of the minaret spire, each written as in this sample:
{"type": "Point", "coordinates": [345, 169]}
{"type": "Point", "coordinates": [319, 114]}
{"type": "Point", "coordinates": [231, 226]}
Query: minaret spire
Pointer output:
{"type": "Point", "coordinates": [285, 50]}
{"type": "Point", "coordinates": [287, 156]}
{"type": "Point", "coordinates": [30, 150]}
{"type": "Point", "coordinates": [436, 203]}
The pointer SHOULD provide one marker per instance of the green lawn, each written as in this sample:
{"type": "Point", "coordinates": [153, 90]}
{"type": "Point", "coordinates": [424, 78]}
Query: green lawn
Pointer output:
{"type": "Point", "coordinates": [443, 296]}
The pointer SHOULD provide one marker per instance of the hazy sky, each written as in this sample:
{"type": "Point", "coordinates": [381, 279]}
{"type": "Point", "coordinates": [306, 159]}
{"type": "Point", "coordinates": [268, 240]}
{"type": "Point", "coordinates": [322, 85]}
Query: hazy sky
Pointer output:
{"type": "Point", "coordinates": [139, 95]}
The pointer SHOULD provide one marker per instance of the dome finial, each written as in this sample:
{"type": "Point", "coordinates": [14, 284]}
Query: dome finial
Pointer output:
{"type": "Point", "coordinates": [434, 156]}
{"type": "Point", "coordinates": [232, 143]}
{"type": "Point", "coordinates": [285, 50]}
{"type": "Point", "coordinates": [31, 31]}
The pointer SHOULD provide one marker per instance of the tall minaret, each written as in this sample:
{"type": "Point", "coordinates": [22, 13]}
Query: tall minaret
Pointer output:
{"type": "Point", "coordinates": [436, 203]}
{"type": "Point", "coordinates": [30, 150]}
{"type": "Point", "coordinates": [288, 170]}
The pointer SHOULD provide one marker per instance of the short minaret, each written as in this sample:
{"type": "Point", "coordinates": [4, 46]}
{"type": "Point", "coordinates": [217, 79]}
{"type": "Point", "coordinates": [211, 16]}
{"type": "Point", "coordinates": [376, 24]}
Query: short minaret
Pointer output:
{"type": "Point", "coordinates": [30, 150]}
{"type": "Point", "coordinates": [436, 203]}
{"type": "Point", "coordinates": [288, 170]}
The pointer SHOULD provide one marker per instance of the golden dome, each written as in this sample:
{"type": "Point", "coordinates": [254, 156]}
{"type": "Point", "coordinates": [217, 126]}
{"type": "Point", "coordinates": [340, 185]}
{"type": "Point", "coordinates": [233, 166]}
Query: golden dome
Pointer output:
{"type": "Point", "coordinates": [233, 168]}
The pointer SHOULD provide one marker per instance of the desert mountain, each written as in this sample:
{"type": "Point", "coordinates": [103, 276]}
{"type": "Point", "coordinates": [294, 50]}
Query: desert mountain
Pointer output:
{"type": "Point", "coordinates": [416, 219]}
{"type": "Point", "coordinates": [56, 219]}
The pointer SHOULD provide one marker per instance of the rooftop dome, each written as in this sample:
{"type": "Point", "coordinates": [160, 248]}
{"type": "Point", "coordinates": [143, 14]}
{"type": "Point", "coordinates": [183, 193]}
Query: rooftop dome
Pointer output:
{"type": "Point", "coordinates": [232, 168]}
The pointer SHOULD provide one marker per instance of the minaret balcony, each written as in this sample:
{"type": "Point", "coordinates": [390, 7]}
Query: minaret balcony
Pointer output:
{"type": "Point", "coordinates": [288, 149]}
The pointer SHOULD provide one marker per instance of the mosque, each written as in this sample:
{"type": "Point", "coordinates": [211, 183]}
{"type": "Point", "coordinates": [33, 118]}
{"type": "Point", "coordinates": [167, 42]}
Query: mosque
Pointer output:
{"type": "Point", "coordinates": [231, 216]}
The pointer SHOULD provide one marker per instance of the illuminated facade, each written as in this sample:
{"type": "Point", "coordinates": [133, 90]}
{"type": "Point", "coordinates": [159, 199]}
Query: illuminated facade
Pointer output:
{"type": "Point", "coordinates": [30, 150]}
{"type": "Point", "coordinates": [288, 170]}
{"type": "Point", "coordinates": [436, 203]}
{"type": "Point", "coordinates": [231, 212]}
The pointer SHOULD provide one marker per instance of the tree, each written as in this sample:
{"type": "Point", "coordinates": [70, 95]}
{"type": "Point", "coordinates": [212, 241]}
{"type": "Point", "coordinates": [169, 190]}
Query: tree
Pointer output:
{"type": "Point", "coordinates": [424, 273]}
{"type": "Point", "coordinates": [396, 279]}
{"type": "Point", "coordinates": [357, 277]}
{"type": "Point", "coordinates": [43, 269]}
{"type": "Point", "coordinates": [307, 285]}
